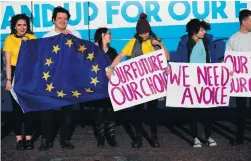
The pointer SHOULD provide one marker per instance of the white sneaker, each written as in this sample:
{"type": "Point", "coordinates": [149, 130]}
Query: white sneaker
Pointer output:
{"type": "Point", "coordinates": [211, 142]}
{"type": "Point", "coordinates": [196, 143]}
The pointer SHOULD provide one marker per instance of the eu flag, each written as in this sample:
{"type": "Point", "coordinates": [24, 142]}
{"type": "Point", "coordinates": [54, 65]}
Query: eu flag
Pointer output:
{"type": "Point", "coordinates": [57, 71]}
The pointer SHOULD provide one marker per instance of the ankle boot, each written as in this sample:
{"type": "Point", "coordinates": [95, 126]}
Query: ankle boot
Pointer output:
{"type": "Point", "coordinates": [110, 136]}
{"type": "Point", "coordinates": [100, 133]}
{"type": "Point", "coordinates": [66, 144]}
{"type": "Point", "coordinates": [154, 141]}
{"type": "Point", "coordinates": [20, 145]}
{"type": "Point", "coordinates": [137, 143]}
{"type": "Point", "coordinates": [45, 145]}
{"type": "Point", "coordinates": [29, 145]}
{"type": "Point", "coordinates": [101, 141]}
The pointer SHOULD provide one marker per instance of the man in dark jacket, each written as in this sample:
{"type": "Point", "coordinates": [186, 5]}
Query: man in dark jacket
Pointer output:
{"type": "Point", "coordinates": [196, 47]}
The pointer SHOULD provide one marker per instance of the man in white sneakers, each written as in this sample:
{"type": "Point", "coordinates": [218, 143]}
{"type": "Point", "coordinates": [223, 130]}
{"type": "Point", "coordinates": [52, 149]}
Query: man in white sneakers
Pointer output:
{"type": "Point", "coordinates": [196, 47]}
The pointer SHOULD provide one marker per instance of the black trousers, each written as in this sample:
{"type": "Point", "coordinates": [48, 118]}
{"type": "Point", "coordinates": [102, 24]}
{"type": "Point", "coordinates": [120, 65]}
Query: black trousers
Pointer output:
{"type": "Point", "coordinates": [65, 123]}
{"type": "Point", "coordinates": [152, 117]}
{"type": "Point", "coordinates": [205, 116]}
{"type": "Point", "coordinates": [241, 103]}
{"type": "Point", "coordinates": [19, 117]}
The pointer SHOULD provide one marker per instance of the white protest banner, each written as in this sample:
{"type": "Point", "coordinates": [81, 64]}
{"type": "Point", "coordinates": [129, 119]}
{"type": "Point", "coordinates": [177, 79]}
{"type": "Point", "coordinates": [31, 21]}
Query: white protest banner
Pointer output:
{"type": "Point", "coordinates": [138, 80]}
{"type": "Point", "coordinates": [240, 65]}
{"type": "Point", "coordinates": [198, 85]}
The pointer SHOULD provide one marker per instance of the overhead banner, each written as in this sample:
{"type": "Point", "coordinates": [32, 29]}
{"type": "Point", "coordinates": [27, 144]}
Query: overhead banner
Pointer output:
{"type": "Point", "coordinates": [122, 14]}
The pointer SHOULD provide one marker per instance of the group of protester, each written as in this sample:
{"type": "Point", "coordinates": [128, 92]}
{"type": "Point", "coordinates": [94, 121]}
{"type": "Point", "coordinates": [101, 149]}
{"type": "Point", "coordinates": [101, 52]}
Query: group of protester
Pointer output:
{"type": "Point", "coordinates": [194, 47]}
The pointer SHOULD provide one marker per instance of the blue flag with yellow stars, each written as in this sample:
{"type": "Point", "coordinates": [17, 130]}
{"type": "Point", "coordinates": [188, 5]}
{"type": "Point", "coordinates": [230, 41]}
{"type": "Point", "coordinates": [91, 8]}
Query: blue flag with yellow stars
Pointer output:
{"type": "Point", "coordinates": [58, 71]}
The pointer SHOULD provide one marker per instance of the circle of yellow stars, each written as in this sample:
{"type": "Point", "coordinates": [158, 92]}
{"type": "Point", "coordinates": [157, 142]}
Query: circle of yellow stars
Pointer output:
{"type": "Point", "coordinates": [48, 62]}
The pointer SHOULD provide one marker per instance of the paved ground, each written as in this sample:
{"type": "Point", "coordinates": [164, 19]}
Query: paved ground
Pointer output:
{"type": "Point", "coordinates": [174, 139]}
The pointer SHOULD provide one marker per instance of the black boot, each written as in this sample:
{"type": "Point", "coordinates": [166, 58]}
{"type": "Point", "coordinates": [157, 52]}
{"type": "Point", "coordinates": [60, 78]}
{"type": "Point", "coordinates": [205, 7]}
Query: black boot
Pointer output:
{"type": "Point", "coordinates": [66, 144]}
{"type": "Point", "coordinates": [236, 142]}
{"type": "Point", "coordinates": [45, 145]}
{"type": "Point", "coordinates": [137, 143]}
{"type": "Point", "coordinates": [110, 136]}
{"type": "Point", "coordinates": [29, 145]}
{"type": "Point", "coordinates": [100, 129]}
{"type": "Point", "coordinates": [154, 141]}
{"type": "Point", "coordinates": [20, 145]}
{"type": "Point", "coordinates": [101, 141]}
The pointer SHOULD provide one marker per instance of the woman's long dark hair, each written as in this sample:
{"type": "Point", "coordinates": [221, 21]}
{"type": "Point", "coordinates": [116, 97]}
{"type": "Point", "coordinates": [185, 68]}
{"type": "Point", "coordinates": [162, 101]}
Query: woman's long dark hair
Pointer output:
{"type": "Point", "coordinates": [150, 34]}
{"type": "Point", "coordinates": [98, 36]}
{"type": "Point", "coordinates": [16, 18]}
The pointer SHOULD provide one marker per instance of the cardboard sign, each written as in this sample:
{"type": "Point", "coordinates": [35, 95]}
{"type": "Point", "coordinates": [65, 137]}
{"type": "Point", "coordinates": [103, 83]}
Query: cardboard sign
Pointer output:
{"type": "Point", "coordinates": [138, 80]}
{"type": "Point", "coordinates": [198, 85]}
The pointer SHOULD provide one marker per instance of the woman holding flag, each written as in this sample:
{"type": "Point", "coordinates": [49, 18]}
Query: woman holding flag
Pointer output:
{"type": "Point", "coordinates": [20, 31]}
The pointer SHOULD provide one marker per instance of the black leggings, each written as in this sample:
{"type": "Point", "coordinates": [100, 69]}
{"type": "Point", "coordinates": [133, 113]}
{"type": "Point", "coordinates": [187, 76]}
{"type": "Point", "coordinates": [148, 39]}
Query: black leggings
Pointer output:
{"type": "Point", "coordinates": [104, 119]}
{"type": "Point", "coordinates": [207, 128]}
{"type": "Point", "coordinates": [152, 112]}
{"type": "Point", "coordinates": [206, 121]}
{"type": "Point", "coordinates": [19, 117]}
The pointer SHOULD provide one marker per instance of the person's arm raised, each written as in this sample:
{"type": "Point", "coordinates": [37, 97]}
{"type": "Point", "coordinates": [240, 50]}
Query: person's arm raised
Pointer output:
{"type": "Point", "coordinates": [115, 62]}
